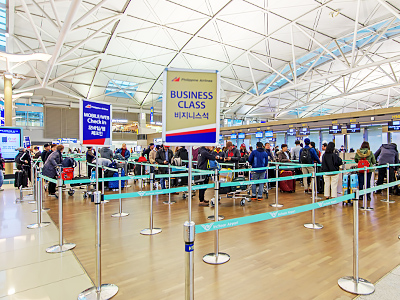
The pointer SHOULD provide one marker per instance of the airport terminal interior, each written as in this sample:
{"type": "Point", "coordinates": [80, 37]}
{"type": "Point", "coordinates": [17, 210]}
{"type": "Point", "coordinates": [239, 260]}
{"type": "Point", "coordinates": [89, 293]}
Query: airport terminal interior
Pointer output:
{"type": "Point", "coordinates": [209, 149]}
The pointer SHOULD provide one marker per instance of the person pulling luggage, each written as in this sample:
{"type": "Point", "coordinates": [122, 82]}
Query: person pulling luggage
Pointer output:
{"type": "Point", "coordinates": [308, 156]}
{"type": "Point", "coordinates": [258, 159]}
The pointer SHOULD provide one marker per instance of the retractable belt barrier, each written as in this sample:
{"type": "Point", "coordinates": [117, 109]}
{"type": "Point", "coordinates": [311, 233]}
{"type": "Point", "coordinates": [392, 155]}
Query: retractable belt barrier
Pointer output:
{"type": "Point", "coordinates": [269, 215]}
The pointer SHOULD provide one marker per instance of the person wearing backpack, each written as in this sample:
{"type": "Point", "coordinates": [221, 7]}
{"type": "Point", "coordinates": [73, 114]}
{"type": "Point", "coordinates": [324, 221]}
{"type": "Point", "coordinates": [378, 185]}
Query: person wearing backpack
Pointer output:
{"type": "Point", "coordinates": [365, 158]}
{"type": "Point", "coordinates": [258, 159]}
{"type": "Point", "coordinates": [308, 156]}
{"type": "Point", "coordinates": [204, 156]}
{"type": "Point", "coordinates": [386, 154]}
{"type": "Point", "coordinates": [330, 163]}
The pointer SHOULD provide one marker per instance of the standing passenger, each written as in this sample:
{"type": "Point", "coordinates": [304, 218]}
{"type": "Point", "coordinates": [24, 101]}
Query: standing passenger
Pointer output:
{"type": "Point", "coordinates": [364, 153]}
{"type": "Point", "coordinates": [386, 154]}
{"type": "Point", "coordinates": [308, 156]}
{"type": "Point", "coordinates": [258, 159]}
{"type": "Point", "coordinates": [331, 162]}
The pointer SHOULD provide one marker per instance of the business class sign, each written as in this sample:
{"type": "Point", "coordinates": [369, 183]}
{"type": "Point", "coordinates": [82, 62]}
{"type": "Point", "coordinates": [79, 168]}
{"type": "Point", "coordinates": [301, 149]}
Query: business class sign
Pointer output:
{"type": "Point", "coordinates": [191, 104]}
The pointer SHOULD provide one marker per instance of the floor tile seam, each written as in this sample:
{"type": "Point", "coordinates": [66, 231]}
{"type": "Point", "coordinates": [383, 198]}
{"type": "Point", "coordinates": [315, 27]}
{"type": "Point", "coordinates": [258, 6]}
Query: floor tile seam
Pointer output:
{"type": "Point", "coordinates": [73, 253]}
{"type": "Point", "coordinates": [379, 280]}
{"type": "Point", "coordinates": [43, 285]}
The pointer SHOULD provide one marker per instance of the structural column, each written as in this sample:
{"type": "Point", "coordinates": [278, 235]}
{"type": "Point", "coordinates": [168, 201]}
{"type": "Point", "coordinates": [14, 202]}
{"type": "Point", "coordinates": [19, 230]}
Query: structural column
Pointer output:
{"type": "Point", "coordinates": [8, 112]}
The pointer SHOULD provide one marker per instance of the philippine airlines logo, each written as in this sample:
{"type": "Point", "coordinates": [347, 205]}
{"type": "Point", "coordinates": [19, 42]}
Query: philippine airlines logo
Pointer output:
{"type": "Point", "coordinates": [274, 214]}
{"type": "Point", "coordinates": [207, 227]}
{"type": "Point", "coordinates": [88, 106]}
{"type": "Point", "coordinates": [177, 79]}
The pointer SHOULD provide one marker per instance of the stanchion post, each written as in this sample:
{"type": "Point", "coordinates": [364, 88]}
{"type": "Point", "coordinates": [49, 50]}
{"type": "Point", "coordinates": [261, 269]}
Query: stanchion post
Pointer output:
{"type": "Point", "coordinates": [102, 176]}
{"type": "Point", "coordinates": [276, 204]}
{"type": "Point", "coordinates": [216, 197]}
{"type": "Point", "coordinates": [33, 182]}
{"type": "Point", "coordinates": [61, 247]}
{"type": "Point", "coordinates": [120, 213]}
{"type": "Point", "coordinates": [365, 202]}
{"type": "Point", "coordinates": [40, 193]}
{"type": "Point", "coordinates": [313, 225]}
{"type": "Point", "coordinates": [387, 200]}
{"type": "Point", "coordinates": [354, 284]}
{"type": "Point", "coordinates": [99, 291]}
{"type": "Point", "coordinates": [315, 187]}
{"type": "Point", "coordinates": [151, 230]}
{"type": "Point", "coordinates": [39, 199]}
{"type": "Point", "coordinates": [216, 258]}
{"type": "Point", "coordinates": [169, 186]}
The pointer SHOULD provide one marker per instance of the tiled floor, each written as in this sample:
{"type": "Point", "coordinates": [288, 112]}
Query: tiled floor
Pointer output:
{"type": "Point", "coordinates": [26, 270]}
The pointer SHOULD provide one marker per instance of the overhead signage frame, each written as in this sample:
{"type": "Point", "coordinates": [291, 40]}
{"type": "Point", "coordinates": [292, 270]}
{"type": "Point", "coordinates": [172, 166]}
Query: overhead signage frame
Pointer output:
{"type": "Point", "coordinates": [191, 107]}
{"type": "Point", "coordinates": [95, 123]}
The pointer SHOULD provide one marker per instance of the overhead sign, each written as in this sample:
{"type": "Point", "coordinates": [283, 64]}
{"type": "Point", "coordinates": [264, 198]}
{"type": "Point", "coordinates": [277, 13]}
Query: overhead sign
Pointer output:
{"type": "Point", "coordinates": [2, 122]}
{"type": "Point", "coordinates": [152, 115]}
{"type": "Point", "coordinates": [68, 141]}
{"type": "Point", "coordinates": [95, 123]}
{"type": "Point", "coordinates": [191, 105]}
{"type": "Point", "coordinates": [27, 142]}
{"type": "Point", "coordinates": [10, 140]}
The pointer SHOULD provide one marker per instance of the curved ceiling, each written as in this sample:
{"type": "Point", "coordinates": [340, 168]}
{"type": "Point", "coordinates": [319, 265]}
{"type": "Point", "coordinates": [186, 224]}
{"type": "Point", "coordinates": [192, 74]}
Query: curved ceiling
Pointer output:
{"type": "Point", "coordinates": [278, 59]}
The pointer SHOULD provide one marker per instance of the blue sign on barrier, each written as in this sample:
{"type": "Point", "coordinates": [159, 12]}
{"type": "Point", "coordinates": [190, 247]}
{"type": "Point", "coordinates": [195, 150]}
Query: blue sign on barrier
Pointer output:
{"type": "Point", "coordinates": [95, 123]}
{"type": "Point", "coordinates": [189, 247]}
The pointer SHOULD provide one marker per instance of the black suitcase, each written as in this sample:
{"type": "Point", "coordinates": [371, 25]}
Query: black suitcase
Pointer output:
{"type": "Point", "coordinates": [21, 179]}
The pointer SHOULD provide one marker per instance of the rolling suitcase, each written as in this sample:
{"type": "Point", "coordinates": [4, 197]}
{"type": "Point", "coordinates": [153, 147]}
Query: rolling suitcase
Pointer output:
{"type": "Point", "coordinates": [288, 186]}
{"type": "Point", "coordinates": [115, 184]}
{"type": "Point", "coordinates": [353, 182]}
{"type": "Point", "coordinates": [346, 187]}
{"type": "Point", "coordinates": [21, 179]}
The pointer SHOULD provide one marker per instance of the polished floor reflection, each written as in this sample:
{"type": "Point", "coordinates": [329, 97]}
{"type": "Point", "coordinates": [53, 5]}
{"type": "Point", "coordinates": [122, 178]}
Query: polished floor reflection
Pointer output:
{"type": "Point", "coordinates": [26, 270]}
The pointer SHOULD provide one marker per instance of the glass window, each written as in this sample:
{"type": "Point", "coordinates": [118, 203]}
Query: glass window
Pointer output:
{"type": "Point", "coordinates": [35, 119]}
{"type": "Point", "coordinates": [21, 117]}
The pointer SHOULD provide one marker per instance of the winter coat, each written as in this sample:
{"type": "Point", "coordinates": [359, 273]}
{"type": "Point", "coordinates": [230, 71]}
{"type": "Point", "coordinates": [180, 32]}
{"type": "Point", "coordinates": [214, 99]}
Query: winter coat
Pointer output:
{"type": "Point", "coordinates": [281, 156]}
{"type": "Point", "coordinates": [331, 162]}
{"type": "Point", "coordinates": [44, 156]}
{"type": "Point", "coordinates": [234, 155]}
{"type": "Point", "coordinates": [127, 153]}
{"type": "Point", "coordinates": [365, 153]}
{"type": "Point", "coordinates": [182, 153]}
{"type": "Point", "coordinates": [270, 154]}
{"type": "Point", "coordinates": [50, 167]}
{"type": "Point", "coordinates": [160, 158]}
{"type": "Point", "coordinates": [387, 154]}
{"type": "Point", "coordinates": [106, 153]}
{"type": "Point", "coordinates": [152, 156]}
{"type": "Point", "coordinates": [203, 157]}
{"type": "Point", "coordinates": [313, 154]}
{"type": "Point", "coordinates": [221, 154]}
{"type": "Point", "coordinates": [258, 159]}
{"type": "Point", "coordinates": [90, 156]}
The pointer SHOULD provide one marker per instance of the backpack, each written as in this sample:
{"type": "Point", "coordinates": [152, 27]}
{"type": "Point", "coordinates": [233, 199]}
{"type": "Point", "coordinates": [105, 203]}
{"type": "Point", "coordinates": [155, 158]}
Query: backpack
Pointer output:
{"type": "Point", "coordinates": [213, 165]}
{"type": "Point", "coordinates": [361, 164]}
{"type": "Point", "coordinates": [177, 161]}
{"type": "Point", "coordinates": [68, 162]}
{"type": "Point", "coordinates": [305, 157]}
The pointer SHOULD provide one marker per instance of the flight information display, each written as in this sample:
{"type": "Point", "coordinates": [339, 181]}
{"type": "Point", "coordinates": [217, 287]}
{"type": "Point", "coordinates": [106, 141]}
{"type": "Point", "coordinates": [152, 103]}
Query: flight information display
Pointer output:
{"type": "Point", "coordinates": [259, 134]}
{"type": "Point", "coordinates": [292, 132]}
{"type": "Point", "coordinates": [352, 128]}
{"type": "Point", "coordinates": [233, 136]}
{"type": "Point", "coordinates": [242, 135]}
{"type": "Point", "coordinates": [304, 131]}
{"type": "Point", "coordinates": [269, 133]}
{"type": "Point", "coordinates": [10, 139]}
{"type": "Point", "coordinates": [394, 125]}
{"type": "Point", "coordinates": [335, 129]}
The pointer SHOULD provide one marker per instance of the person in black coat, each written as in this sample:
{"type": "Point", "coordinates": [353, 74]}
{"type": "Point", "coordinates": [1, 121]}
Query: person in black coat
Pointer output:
{"type": "Point", "coordinates": [46, 148]}
{"type": "Point", "coordinates": [331, 162]}
{"type": "Point", "coordinates": [205, 154]}
{"type": "Point", "coordinates": [50, 167]}
{"type": "Point", "coordinates": [164, 157]}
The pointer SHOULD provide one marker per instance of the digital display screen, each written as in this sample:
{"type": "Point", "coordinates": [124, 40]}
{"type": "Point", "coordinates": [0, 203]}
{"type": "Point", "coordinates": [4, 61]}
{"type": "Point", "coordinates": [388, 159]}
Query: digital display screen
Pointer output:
{"type": "Point", "coordinates": [233, 136]}
{"type": "Point", "coordinates": [292, 132]}
{"type": "Point", "coordinates": [335, 129]}
{"type": "Point", "coordinates": [272, 139]}
{"type": "Point", "coordinates": [242, 135]}
{"type": "Point", "coordinates": [352, 128]}
{"type": "Point", "coordinates": [269, 134]}
{"type": "Point", "coordinates": [220, 137]}
{"type": "Point", "coordinates": [304, 131]}
{"type": "Point", "coordinates": [10, 139]}
{"type": "Point", "coordinates": [394, 125]}
{"type": "Point", "coordinates": [259, 134]}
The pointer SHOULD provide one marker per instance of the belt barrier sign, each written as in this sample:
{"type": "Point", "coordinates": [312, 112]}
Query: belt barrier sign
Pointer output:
{"type": "Point", "coordinates": [191, 105]}
{"type": "Point", "coordinates": [95, 123]}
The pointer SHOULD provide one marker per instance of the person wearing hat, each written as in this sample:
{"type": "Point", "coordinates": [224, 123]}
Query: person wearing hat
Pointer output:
{"type": "Point", "coordinates": [232, 155]}
{"type": "Point", "coordinates": [46, 148]}
{"type": "Point", "coordinates": [308, 156]}
{"type": "Point", "coordinates": [243, 150]}
{"type": "Point", "coordinates": [218, 152]}
{"type": "Point", "coordinates": [164, 157]}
